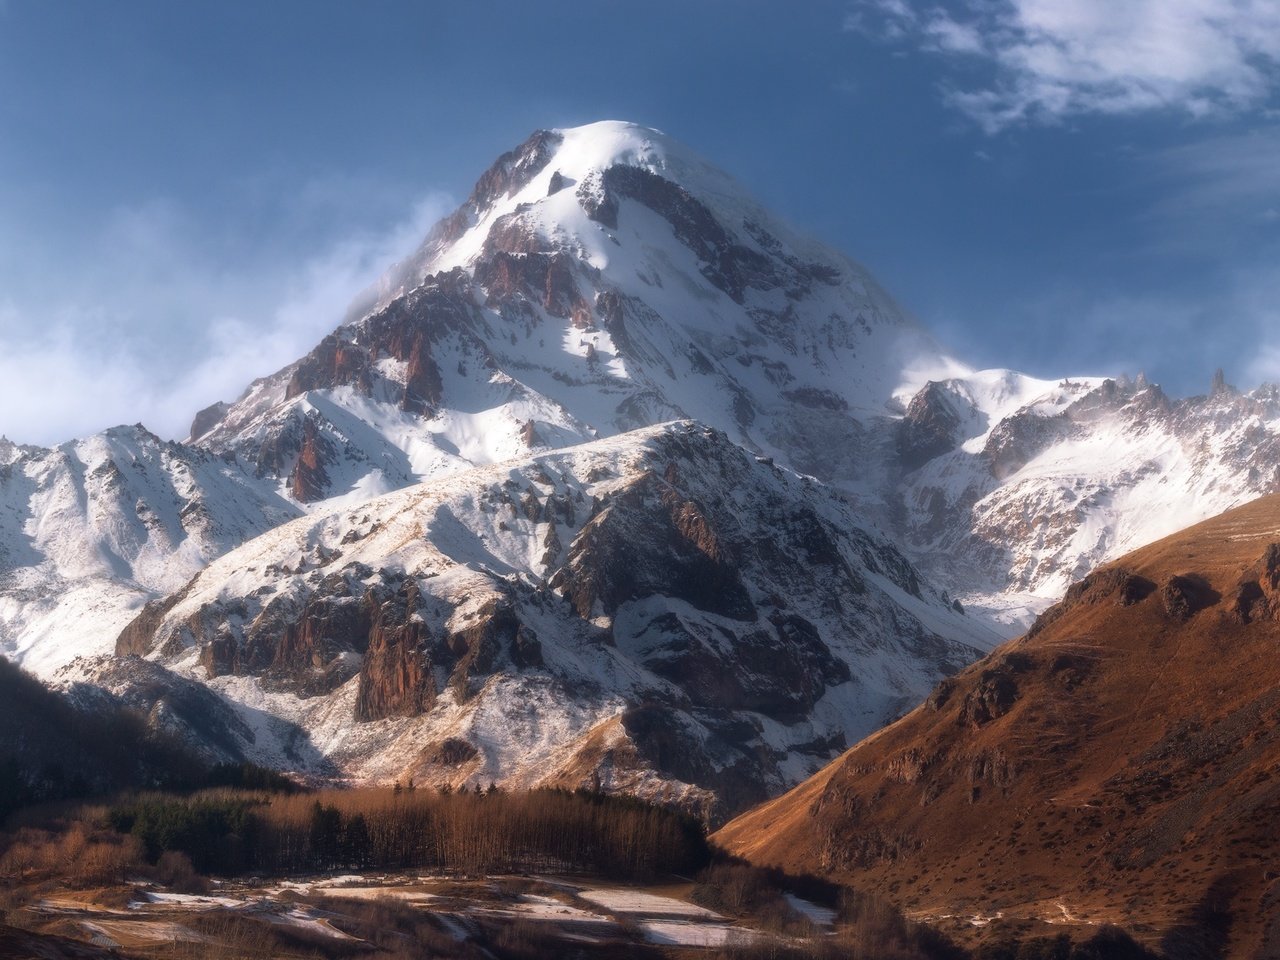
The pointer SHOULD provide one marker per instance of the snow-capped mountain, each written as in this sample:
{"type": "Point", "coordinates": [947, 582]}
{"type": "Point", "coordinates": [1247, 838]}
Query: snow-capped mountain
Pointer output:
{"type": "Point", "coordinates": [660, 610]}
{"type": "Point", "coordinates": [1026, 485]}
{"type": "Point", "coordinates": [604, 278]}
{"type": "Point", "coordinates": [598, 282]}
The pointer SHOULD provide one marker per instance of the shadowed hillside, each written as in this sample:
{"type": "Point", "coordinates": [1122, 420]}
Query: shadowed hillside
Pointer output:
{"type": "Point", "coordinates": [1117, 764]}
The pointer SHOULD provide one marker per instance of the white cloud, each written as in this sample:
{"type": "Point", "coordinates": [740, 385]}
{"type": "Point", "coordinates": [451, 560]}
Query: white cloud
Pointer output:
{"type": "Point", "coordinates": [1257, 299]}
{"type": "Point", "coordinates": [1265, 366]}
{"type": "Point", "coordinates": [1053, 59]}
{"type": "Point", "coordinates": [48, 388]}
{"type": "Point", "coordinates": [952, 36]}
{"type": "Point", "coordinates": [162, 319]}
{"type": "Point", "coordinates": [1217, 198]}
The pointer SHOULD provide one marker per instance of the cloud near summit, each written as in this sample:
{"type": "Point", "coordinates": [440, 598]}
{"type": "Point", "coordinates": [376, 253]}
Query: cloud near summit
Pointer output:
{"type": "Point", "coordinates": [155, 316]}
{"type": "Point", "coordinates": [1044, 61]}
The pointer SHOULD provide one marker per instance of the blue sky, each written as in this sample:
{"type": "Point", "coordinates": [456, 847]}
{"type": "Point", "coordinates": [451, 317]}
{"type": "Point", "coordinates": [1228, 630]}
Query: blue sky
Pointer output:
{"type": "Point", "coordinates": [190, 192]}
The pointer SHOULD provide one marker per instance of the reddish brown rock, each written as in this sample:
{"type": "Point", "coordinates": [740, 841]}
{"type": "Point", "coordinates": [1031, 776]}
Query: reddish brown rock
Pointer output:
{"type": "Point", "coordinates": [529, 436]}
{"type": "Point", "coordinates": [543, 278]}
{"type": "Point", "coordinates": [1112, 584]}
{"type": "Point", "coordinates": [510, 172]}
{"type": "Point", "coordinates": [138, 637]}
{"type": "Point", "coordinates": [423, 388]}
{"type": "Point", "coordinates": [395, 677]}
{"type": "Point", "coordinates": [648, 540]}
{"type": "Point", "coordinates": [450, 752]}
{"type": "Point", "coordinates": [1185, 595]}
{"type": "Point", "coordinates": [332, 362]}
{"type": "Point", "coordinates": [208, 418]}
{"type": "Point", "coordinates": [493, 633]}
{"type": "Point", "coordinates": [308, 481]}
{"type": "Point", "coordinates": [219, 657]}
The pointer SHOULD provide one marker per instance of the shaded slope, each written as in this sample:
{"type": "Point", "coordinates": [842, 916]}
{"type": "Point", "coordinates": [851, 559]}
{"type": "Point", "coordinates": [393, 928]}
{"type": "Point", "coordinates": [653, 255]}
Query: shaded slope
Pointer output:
{"type": "Point", "coordinates": [51, 751]}
{"type": "Point", "coordinates": [1119, 763]}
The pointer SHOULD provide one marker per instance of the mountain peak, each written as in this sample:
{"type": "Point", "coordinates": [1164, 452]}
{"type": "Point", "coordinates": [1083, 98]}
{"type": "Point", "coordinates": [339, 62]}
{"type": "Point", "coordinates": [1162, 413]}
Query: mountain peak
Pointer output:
{"type": "Point", "coordinates": [562, 191]}
{"type": "Point", "coordinates": [597, 279]}
{"type": "Point", "coordinates": [596, 147]}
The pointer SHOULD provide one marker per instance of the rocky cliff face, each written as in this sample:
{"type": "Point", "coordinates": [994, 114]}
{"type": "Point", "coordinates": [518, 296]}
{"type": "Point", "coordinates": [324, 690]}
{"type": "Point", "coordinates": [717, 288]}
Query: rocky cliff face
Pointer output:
{"type": "Point", "coordinates": [712, 625]}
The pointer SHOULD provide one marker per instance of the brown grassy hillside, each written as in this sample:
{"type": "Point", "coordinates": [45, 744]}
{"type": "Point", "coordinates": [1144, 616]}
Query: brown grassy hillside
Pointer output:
{"type": "Point", "coordinates": [1120, 763]}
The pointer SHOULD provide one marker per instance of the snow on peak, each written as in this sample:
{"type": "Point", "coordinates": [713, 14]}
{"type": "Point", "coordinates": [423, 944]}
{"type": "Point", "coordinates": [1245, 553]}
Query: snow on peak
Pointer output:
{"type": "Point", "coordinates": [595, 147]}
{"type": "Point", "coordinates": [599, 145]}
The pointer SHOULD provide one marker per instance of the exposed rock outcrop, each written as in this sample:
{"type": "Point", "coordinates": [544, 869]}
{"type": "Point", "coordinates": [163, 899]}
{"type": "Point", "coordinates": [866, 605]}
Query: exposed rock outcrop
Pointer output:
{"type": "Point", "coordinates": [308, 480]}
{"type": "Point", "coordinates": [395, 676]}
{"type": "Point", "coordinates": [208, 418]}
{"type": "Point", "coordinates": [1185, 595]}
{"type": "Point", "coordinates": [708, 599]}
{"type": "Point", "coordinates": [930, 427]}
{"type": "Point", "coordinates": [1109, 585]}
{"type": "Point", "coordinates": [629, 550]}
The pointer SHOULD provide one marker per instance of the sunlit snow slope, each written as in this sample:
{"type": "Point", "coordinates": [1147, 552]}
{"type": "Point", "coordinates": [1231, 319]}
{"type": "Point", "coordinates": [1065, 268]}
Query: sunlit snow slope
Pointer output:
{"type": "Point", "coordinates": [604, 278]}
{"type": "Point", "coordinates": [92, 529]}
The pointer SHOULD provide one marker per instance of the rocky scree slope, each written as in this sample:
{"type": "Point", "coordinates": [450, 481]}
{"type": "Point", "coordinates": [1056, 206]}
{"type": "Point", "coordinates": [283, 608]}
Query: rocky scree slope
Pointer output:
{"type": "Point", "coordinates": [660, 613]}
{"type": "Point", "coordinates": [1117, 764]}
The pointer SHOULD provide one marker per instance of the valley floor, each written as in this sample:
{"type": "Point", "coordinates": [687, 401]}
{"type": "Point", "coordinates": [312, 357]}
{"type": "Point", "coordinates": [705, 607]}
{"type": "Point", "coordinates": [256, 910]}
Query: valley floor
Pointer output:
{"type": "Point", "coordinates": [386, 915]}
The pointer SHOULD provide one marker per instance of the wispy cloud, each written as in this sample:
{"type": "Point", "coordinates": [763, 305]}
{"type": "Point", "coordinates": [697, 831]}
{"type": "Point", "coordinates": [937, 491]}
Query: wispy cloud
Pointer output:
{"type": "Point", "coordinates": [1049, 60]}
{"type": "Point", "coordinates": [158, 319]}
{"type": "Point", "coordinates": [1178, 339]}
{"type": "Point", "coordinates": [1236, 176]}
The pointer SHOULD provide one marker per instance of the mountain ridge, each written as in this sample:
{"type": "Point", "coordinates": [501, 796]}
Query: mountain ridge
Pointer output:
{"type": "Point", "coordinates": [655, 589]}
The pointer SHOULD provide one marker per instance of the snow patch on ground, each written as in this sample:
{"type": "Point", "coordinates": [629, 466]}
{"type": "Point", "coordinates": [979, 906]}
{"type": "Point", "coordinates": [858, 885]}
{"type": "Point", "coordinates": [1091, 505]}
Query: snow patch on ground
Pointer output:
{"type": "Point", "coordinates": [629, 901]}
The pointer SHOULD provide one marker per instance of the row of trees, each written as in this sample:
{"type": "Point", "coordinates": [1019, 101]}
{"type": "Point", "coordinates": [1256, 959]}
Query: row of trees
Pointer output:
{"type": "Point", "coordinates": [229, 832]}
